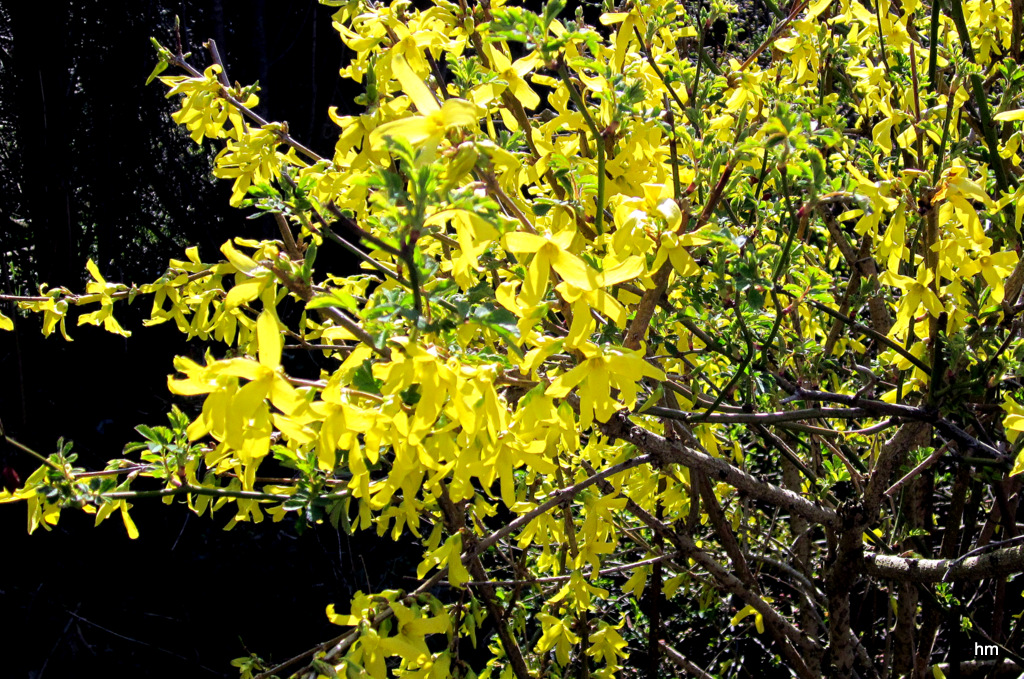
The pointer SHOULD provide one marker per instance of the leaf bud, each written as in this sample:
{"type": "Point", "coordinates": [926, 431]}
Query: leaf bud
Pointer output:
{"type": "Point", "coordinates": [11, 480]}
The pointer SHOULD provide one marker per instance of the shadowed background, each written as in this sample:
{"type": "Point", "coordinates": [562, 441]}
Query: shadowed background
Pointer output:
{"type": "Point", "coordinates": [92, 166]}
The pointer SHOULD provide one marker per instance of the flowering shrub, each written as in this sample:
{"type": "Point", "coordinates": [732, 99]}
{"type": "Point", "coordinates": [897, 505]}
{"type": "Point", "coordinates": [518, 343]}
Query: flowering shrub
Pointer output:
{"type": "Point", "coordinates": [650, 338]}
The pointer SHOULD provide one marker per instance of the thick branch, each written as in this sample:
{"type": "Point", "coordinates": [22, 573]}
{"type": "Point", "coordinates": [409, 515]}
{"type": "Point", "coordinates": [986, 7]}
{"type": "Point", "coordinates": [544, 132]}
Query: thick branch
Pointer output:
{"type": "Point", "coordinates": [725, 535]}
{"type": "Point", "coordinates": [667, 452]}
{"type": "Point", "coordinates": [998, 563]}
{"type": "Point", "coordinates": [890, 458]}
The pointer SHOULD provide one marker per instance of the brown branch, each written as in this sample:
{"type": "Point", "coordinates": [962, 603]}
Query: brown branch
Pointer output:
{"type": "Point", "coordinates": [725, 534]}
{"type": "Point", "coordinates": [286, 234]}
{"type": "Point", "coordinates": [998, 563]}
{"type": "Point", "coordinates": [339, 645]}
{"type": "Point", "coordinates": [645, 309]}
{"type": "Point", "coordinates": [679, 659]}
{"type": "Point", "coordinates": [875, 335]}
{"type": "Point", "coordinates": [982, 668]}
{"type": "Point", "coordinates": [665, 451]}
{"type": "Point", "coordinates": [649, 302]}
{"type": "Point", "coordinates": [554, 579]}
{"type": "Point", "coordinates": [852, 288]}
{"type": "Point", "coordinates": [775, 35]}
{"type": "Point", "coordinates": [890, 458]}
{"type": "Point", "coordinates": [765, 418]}
{"type": "Point", "coordinates": [916, 471]}
{"type": "Point", "coordinates": [846, 550]}
{"type": "Point", "coordinates": [455, 521]}
{"type": "Point", "coordinates": [508, 642]}
{"type": "Point", "coordinates": [71, 298]}
{"type": "Point", "coordinates": [787, 635]}
{"type": "Point", "coordinates": [179, 61]}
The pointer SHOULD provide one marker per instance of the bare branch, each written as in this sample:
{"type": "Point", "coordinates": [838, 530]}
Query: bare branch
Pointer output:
{"type": "Point", "coordinates": [998, 563]}
{"type": "Point", "coordinates": [667, 452]}
{"type": "Point", "coordinates": [679, 659]}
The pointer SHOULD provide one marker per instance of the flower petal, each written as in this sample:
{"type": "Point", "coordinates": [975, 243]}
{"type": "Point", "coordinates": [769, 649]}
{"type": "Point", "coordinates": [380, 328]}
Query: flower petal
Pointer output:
{"type": "Point", "coordinates": [420, 94]}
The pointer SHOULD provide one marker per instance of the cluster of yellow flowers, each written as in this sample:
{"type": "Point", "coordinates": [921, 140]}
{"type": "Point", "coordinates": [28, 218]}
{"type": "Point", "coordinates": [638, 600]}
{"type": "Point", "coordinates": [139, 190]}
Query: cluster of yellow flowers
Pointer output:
{"type": "Point", "coordinates": [563, 223]}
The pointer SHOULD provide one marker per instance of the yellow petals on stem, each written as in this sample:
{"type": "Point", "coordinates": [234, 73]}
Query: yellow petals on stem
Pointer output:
{"type": "Point", "coordinates": [916, 292]}
{"type": "Point", "coordinates": [129, 525]}
{"type": "Point", "coordinates": [744, 612]}
{"type": "Point", "coordinates": [449, 554]}
{"type": "Point", "coordinates": [557, 634]}
{"type": "Point", "coordinates": [271, 341]}
{"type": "Point", "coordinates": [514, 74]}
{"type": "Point", "coordinates": [603, 369]}
{"type": "Point", "coordinates": [549, 253]}
{"type": "Point", "coordinates": [427, 129]}
{"type": "Point", "coordinates": [103, 292]}
{"type": "Point", "coordinates": [607, 645]}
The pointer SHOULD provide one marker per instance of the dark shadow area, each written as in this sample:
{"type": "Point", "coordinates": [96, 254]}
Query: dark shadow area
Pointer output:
{"type": "Point", "coordinates": [93, 167]}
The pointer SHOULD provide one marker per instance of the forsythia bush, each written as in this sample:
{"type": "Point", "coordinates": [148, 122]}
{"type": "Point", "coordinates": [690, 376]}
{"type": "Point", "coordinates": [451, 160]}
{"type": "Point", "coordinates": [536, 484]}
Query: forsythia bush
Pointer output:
{"type": "Point", "coordinates": [651, 338]}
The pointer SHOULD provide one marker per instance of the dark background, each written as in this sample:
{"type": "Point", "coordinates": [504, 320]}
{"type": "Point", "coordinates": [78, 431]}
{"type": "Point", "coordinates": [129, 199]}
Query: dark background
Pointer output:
{"type": "Point", "coordinates": [92, 166]}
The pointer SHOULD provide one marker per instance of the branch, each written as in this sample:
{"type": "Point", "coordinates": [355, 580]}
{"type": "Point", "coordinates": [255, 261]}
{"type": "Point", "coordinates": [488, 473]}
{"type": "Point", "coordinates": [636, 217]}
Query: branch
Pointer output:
{"type": "Point", "coordinates": [982, 668]}
{"type": "Point", "coordinates": [665, 451]}
{"type": "Point", "coordinates": [42, 458]}
{"type": "Point", "coordinates": [556, 499]}
{"type": "Point", "coordinates": [599, 144]}
{"type": "Point", "coordinates": [873, 334]}
{"type": "Point", "coordinates": [787, 635]}
{"type": "Point", "coordinates": [725, 534]}
{"type": "Point", "coordinates": [553, 579]}
{"type": "Point", "coordinates": [916, 471]}
{"type": "Point", "coordinates": [678, 658]}
{"type": "Point", "coordinates": [214, 492]}
{"type": "Point", "coordinates": [854, 401]}
{"type": "Point", "coordinates": [760, 418]}
{"type": "Point", "coordinates": [72, 298]}
{"type": "Point", "coordinates": [508, 642]}
{"type": "Point", "coordinates": [179, 61]}
{"type": "Point", "coordinates": [999, 563]}
{"type": "Point", "coordinates": [286, 234]}
{"type": "Point", "coordinates": [890, 458]}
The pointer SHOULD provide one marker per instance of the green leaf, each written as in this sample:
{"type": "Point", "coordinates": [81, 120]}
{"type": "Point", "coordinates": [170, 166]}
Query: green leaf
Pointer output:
{"type": "Point", "coordinates": [363, 379]}
{"type": "Point", "coordinates": [160, 67]}
{"type": "Point", "coordinates": [551, 11]}
{"type": "Point", "coordinates": [338, 299]}
{"type": "Point", "coordinates": [307, 264]}
{"type": "Point", "coordinates": [411, 396]}
{"type": "Point", "coordinates": [653, 399]}
{"type": "Point", "coordinates": [817, 167]}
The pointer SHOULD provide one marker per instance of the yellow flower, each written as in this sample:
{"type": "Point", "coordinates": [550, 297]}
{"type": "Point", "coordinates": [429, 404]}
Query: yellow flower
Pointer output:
{"type": "Point", "coordinates": [749, 610]}
{"type": "Point", "coordinates": [556, 635]}
{"type": "Point", "coordinates": [426, 129]}
{"type": "Point", "coordinates": [993, 268]}
{"type": "Point", "coordinates": [915, 293]}
{"type": "Point", "coordinates": [550, 252]}
{"type": "Point", "coordinates": [604, 368]}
